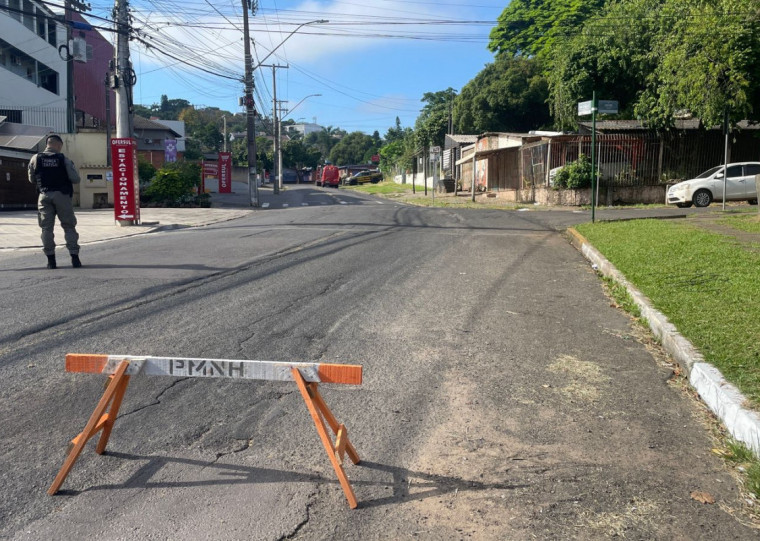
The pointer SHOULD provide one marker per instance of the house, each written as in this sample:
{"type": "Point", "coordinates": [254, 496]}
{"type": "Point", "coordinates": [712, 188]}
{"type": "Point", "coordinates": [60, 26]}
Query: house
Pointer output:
{"type": "Point", "coordinates": [497, 162]}
{"type": "Point", "coordinates": [452, 152]}
{"type": "Point", "coordinates": [151, 139]}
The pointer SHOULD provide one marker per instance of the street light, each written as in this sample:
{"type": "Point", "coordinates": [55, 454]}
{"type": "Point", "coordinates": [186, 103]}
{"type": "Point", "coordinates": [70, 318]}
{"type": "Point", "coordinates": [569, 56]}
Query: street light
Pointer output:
{"type": "Point", "coordinates": [299, 103]}
{"type": "Point", "coordinates": [318, 21]}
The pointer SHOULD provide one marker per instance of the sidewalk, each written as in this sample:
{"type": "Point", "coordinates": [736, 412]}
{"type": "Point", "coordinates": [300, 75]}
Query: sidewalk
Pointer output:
{"type": "Point", "coordinates": [19, 229]}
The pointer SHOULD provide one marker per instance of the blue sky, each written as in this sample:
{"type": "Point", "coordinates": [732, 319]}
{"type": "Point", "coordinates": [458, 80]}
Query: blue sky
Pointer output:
{"type": "Point", "coordinates": [371, 63]}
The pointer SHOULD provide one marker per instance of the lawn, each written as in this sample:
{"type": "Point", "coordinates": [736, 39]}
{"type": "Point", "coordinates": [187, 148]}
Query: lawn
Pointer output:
{"type": "Point", "coordinates": [382, 188]}
{"type": "Point", "coordinates": [706, 283]}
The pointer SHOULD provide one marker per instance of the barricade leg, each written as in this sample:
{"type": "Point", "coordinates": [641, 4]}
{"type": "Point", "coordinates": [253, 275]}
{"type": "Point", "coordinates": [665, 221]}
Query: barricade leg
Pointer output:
{"type": "Point", "coordinates": [317, 408]}
{"type": "Point", "coordinates": [99, 419]}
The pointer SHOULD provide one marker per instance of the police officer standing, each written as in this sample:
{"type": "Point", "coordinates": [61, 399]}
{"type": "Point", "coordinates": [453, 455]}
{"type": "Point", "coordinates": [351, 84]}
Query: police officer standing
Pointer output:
{"type": "Point", "coordinates": [55, 174]}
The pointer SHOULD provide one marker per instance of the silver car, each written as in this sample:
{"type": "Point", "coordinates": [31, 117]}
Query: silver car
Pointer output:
{"type": "Point", "coordinates": [708, 187]}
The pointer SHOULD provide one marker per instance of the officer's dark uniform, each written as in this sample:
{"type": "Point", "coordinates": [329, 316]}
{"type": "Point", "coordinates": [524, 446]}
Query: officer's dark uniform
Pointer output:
{"type": "Point", "coordinates": [54, 176]}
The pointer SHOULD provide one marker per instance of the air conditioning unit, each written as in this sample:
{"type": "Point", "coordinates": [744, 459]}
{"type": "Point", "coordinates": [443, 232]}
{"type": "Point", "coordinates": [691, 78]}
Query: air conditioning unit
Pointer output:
{"type": "Point", "coordinates": [149, 141]}
{"type": "Point", "coordinates": [79, 49]}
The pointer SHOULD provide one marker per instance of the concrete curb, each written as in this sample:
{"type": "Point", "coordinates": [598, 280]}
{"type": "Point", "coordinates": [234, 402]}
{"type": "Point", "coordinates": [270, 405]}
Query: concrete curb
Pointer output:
{"type": "Point", "coordinates": [723, 398]}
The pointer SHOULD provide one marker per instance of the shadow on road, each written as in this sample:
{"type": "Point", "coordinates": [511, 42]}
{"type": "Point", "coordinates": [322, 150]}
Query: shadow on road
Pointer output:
{"type": "Point", "coordinates": [408, 485]}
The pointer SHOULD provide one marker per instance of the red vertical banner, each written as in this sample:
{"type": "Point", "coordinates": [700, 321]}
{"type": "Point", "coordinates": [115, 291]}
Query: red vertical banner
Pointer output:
{"type": "Point", "coordinates": [126, 187]}
{"type": "Point", "coordinates": [225, 172]}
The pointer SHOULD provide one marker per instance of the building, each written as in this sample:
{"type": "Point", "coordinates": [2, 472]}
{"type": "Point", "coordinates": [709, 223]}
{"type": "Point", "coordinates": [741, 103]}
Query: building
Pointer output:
{"type": "Point", "coordinates": [94, 100]}
{"type": "Point", "coordinates": [151, 139]}
{"type": "Point", "coordinates": [33, 73]}
{"type": "Point", "coordinates": [306, 128]}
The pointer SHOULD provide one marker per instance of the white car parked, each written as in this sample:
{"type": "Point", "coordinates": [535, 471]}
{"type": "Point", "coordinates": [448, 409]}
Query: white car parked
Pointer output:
{"type": "Point", "coordinates": [708, 187]}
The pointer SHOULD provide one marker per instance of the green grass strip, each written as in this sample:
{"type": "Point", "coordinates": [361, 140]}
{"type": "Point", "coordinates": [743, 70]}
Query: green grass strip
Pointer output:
{"type": "Point", "coordinates": [707, 285]}
{"type": "Point", "coordinates": [381, 188]}
{"type": "Point", "coordinates": [746, 222]}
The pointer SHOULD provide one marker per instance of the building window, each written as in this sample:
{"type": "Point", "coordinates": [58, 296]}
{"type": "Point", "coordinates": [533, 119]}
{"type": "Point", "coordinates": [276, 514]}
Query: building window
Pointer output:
{"type": "Point", "coordinates": [29, 15]}
{"type": "Point", "coordinates": [12, 115]}
{"type": "Point", "coordinates": [41, 27]}
{"type": "Point", "coordinates": [27, 67]}
{"type": "Point", "coordinates": [52, 35]}
{"type": "Point", "coordinates": [15, 6]}
{"type": "Point", "coordinates": [48, 78]}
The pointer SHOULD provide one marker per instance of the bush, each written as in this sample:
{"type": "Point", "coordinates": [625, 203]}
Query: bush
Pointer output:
{"type": "Point", "coordinates": [173, 183]}
{"type": "Point", "coordinates": [145, 171]}
{"type": "Point", "coordinates": [575, 175]}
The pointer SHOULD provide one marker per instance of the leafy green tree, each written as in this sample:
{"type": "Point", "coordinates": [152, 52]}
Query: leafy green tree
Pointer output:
{"type": "Point", "coordinates": [264, 152]}
{"type": "Point", "coordinates": [395, 133]}
{"type": "Point", "coordinates": [432, 123]}
{"type": "Point", "coordinates": [710, 62]}
{"type": "Point", "coordinates": [660, 58]}
{"type": "Point", "coordinates": [531, 27]}
{"type": "Point", "coordinates": [508, 95]}
{"type": "Point", "coordinates": [354, 148]}
{"type": "Point", "coordinates": [612, 54]}
{"type": "Point", "coordinates": [296, 153]}
{"type": "Point", "coordinates": [324, 140]}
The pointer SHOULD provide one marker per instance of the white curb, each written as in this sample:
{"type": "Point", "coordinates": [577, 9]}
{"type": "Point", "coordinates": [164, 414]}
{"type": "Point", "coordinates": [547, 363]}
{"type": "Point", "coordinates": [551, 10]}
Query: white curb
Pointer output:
{"type": "Point", "coordinates": [723, 398]}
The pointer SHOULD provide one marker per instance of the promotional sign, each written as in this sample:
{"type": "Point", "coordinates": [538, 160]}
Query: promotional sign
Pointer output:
{"type": "Point", "coordinates": [126, 190]}
{"type": "Point", "coordinates": [170, 150]}
{"type": "Point", "coordinates": [210, 169]}
{"type": "Point", "coordinates": [225, 172]}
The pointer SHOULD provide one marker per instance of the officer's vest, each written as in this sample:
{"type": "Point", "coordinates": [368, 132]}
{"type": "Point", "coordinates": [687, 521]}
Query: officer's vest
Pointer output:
{"type": "Point", "coordinates": [52, 175]}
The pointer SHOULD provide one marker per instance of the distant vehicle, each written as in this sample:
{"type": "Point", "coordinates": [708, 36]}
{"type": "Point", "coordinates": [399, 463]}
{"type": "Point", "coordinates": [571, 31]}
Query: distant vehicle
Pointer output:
{"type": "Point", "coordinates": [329, 176]}
{"type": "Point", "coordinates": [708, 187]}
{"type": "Point", "coordinates": [362, 177]}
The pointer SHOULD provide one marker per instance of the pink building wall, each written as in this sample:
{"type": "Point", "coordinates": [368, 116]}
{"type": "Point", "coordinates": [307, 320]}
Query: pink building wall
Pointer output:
{"type": "Point", "coordinates": [89, 77]}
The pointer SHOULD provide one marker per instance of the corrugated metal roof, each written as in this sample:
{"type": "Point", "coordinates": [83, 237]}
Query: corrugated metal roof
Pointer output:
{"type": "Point", "coordinates": [463, 138]}
{"type": "Point", "coordinates": [21, 136]}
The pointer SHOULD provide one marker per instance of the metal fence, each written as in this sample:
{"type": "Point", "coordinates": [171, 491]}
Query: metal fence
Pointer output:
{"type": "Point", "coordinates": [49, 117]}
{"type": "Point", "coordinates": [639, 159]}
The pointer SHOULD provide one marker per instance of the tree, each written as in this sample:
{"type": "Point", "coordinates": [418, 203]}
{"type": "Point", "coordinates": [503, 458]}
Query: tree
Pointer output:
{"type": "Point", "coordinates": [530, 27]}
{"type": "Point", "coordinates": [354, 148]}
{"type": "Point", "coordinates": [507, 95]}
{"type": "Point", "coordinates": [324, 140]}
{"type": "Point", "coordinates": [395, 133]}
{"type": "Point", "coordinates": [660, 58]}
{"type": "Point", "coordinates": [612, 54]}
{"type": "Point", "coordinates": [710, 62]}
{"type": "Point", "coordinates": [432, 123]}
{"type": "Point", "coordinates": [299, 155]}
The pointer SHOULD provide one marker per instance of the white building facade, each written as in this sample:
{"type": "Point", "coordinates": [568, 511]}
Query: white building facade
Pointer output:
{"type": "Point", "coordinates": [33, 86]}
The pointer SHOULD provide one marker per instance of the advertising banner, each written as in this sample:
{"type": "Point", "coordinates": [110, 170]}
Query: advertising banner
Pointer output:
{"type": "Point", "coordinates": [126, 187]}
{"type": "Point", "coordinates": [210, 170]}
{"type": "Point", "coordinates": [170, 150]}
{"type": "Point", "coordinates": [225, 172]}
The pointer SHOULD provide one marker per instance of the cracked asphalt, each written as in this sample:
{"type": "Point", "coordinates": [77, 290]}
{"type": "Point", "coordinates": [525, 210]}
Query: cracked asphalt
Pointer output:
{"type": "Point", "coordinates": [503, 396]}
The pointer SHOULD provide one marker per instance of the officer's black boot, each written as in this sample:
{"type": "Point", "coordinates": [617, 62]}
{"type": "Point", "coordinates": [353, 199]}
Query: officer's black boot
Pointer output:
{"type": "Point", "coordinates": [51, 261]}
{"type": "Point", "coordinates": [75, 261]}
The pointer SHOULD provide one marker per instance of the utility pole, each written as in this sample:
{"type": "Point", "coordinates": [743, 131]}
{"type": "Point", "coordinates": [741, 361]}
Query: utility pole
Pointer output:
{"type": "Point", "coordinates": [275, 127]}
{"type": "Point", "coordinates": [224, 121]}
{"type": "Point", "coordinates": [253, 186]}
{"type": "Point", "coordinates": [108, 121]}
{"type": "Point", "coordinates": [70, 124]}
{"type": "Point", "coordinates": [123, 76]}
{"type": "Point", "coordinates": [279, 139]}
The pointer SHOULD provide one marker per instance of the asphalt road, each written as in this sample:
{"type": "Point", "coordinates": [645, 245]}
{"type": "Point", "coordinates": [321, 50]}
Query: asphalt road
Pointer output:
{"type": "Point", "coordinates": [503, 397]}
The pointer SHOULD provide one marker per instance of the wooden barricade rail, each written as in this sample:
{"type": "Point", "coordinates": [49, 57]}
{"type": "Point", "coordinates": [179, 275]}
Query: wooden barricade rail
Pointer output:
{"type": "Point", "coordinates": [307, 377]}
